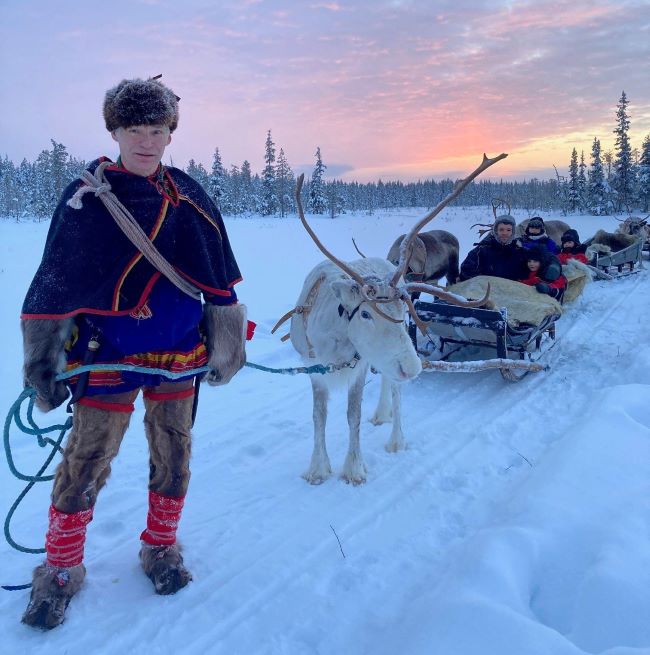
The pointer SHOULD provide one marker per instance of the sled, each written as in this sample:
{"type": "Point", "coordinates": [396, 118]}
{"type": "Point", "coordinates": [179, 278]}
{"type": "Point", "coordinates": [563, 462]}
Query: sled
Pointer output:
{"type": "Point", "coordinates": [622, 263]}
{"type": "Point", "coordinates": [452, 330]}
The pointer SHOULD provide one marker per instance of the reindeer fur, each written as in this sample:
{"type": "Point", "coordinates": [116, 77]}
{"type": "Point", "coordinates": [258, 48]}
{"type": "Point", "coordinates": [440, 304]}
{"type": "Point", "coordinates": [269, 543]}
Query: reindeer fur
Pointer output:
{"type": "Point", "coordinates": [44, 357]}
{"type": "Point", "coordinates": [225, 334]}
{"type": "Point", "coordinates": [52, 590]}
{"type": "Point", "coordinates": [434, 255]}
{"type": "Point", "coordinates": [326, 335]}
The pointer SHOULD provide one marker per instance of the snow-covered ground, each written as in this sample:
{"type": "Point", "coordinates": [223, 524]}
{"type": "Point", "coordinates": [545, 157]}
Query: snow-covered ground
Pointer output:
{"type": "Point", "coordinates": [517, 522]}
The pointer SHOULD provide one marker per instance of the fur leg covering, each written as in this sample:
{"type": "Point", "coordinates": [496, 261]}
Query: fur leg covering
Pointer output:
{"type": "Point", "coordinates": [97, 432]}
{"type": "Point", "coordinates": [52, 589]}
{"type": "Point", "coordinates": [168, 423]}
{"type": "Point", "coordinates": [225, 331]}
{"type": "Point", "coordinates": [44, 357]}
{"type": "Point", "coordinates": [164, 566]}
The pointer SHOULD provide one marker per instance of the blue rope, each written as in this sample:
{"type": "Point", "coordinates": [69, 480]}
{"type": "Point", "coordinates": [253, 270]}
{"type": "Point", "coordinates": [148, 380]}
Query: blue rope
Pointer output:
{"type": "Point", "coordinates": [37, 431]}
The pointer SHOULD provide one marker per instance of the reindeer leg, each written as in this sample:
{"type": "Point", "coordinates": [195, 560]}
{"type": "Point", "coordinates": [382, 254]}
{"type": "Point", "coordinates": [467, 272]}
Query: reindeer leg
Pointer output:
{"type": "Point", "coordinates": [354, 469]}
{"type": "Point", "coordinates": [319, 469]}
{"type": "Point", "coordinates": [396, 441]}
{"type": "Point", "coordinates": [383, 412]}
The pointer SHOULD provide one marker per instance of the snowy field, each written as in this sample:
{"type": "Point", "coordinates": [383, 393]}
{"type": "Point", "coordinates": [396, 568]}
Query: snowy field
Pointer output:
{"type": "Point", "coordinates": [516, 523]}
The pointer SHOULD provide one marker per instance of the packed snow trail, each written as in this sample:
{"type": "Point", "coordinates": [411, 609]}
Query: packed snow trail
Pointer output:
{"type": "Point", "coordinates": [511, 524]}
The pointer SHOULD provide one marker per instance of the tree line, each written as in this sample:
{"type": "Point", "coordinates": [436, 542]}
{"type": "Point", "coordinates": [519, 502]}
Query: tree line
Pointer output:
{"type": "Point", "coordinates": [612, 182]}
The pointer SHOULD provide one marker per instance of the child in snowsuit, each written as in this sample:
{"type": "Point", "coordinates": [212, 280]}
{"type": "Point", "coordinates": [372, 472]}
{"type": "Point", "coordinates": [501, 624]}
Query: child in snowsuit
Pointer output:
{"type": "Point", "coordinates": [545, 273]}
{"type": "Point", "coordinates": [535, 235]}
{"type": "Point", "coordinates": [572, 248]}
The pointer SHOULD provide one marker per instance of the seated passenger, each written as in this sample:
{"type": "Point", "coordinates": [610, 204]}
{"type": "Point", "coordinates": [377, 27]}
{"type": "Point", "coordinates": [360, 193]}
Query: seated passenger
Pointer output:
{"type": "Point", "coordinates": [535, 235]}
{"type": "Point", "coordinates": [545, 273]}
{"type": "Point", "coordinates": [572, 248]}
{"type": "Point", "coordinates": [498, 254]}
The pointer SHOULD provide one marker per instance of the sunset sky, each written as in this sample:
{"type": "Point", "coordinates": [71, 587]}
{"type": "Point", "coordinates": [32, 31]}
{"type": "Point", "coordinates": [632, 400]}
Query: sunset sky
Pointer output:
{"type": "Point", "coordinates": [391, 89]}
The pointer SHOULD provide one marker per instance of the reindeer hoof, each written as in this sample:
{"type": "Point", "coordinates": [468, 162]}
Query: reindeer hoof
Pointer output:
{"type": "Point", "coordinates": [354, 480]}
{"type": "Point", "coordinates": [394, 446]}
{"type": "Point", "coordinates": [317, 477]}
{"type": "Point", "coordinates": [380, 419]}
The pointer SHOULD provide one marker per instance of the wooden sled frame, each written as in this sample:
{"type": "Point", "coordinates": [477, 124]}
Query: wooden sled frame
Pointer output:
{"type": "Point", "coordinates": [616, 263]}
{"type": "Point", "coordinates": [486, 328]}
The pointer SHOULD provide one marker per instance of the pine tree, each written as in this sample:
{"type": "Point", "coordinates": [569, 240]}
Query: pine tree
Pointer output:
{"type": "Point", "coordinates": [248, 203]}
{"type": "Point", "coordinates": [582, 182]}
{"type": "Point", "coordinates": [269, 199]}
{"type": "Point", "coordinates": [644, 174]}
{"type": "Point", "coordinates": [217, 179]}
{"type": "Point", "coordinates": [574, 192]}
{"type": "Point", "coordinates": [317, 200]}
{"type": "Point", "coordinates": [198, 172]}
{"type": "Point", "coordinates": [623, 182]}
{"type": "Point", "coordinates": [284, 184]}
{"type": "Point", "coordinates": [596, 185]}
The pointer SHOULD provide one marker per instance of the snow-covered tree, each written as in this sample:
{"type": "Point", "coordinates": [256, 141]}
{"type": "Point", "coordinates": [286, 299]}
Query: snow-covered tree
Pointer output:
{"type": "Point", "coordinates": [623, 180]}
{"type": "Point", "coordinates": [198, 172]}
{"type": "Point", "coordinates": [596, 184]}
{"type": "Point", "coordinates": [268, 199]}
{"type": "Point", "coordinates": [582, 181]}
{"type": "Point", "coordinates": [574, 191]}
{"type": "Point", "coordinates": [317, 199]}
{"type": "Point", "coordinates": [285, 182]}
{"type": "Point", "coordinates": [644, 174]}
{"type": "Point", "coordinates": [217, 179]}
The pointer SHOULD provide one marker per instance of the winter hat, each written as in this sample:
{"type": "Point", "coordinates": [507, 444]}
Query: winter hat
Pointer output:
{"type": "Point", "coordinates": [571, 235]}
{"type": "Point", "coordinates": [537, 254]}
{"type": "Point", "coordinates": [140, 102]}
{"type": "Point", "coordinates": [506, 219]}
{"type": "Point", "coordinates": [536, 222]}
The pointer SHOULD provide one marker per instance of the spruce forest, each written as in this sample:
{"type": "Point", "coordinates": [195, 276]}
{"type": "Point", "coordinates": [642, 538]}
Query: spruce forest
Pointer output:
{"type": "Point", "coordinates": [600, 183]}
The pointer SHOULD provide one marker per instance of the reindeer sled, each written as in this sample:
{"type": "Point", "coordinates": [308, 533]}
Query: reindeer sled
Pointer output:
{"type": "Point", "coordinates": [518, 324]}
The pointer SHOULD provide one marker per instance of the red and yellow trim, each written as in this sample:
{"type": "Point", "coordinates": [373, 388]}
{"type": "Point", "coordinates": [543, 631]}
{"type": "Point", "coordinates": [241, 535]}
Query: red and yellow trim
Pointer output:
{"type": "Point", "coordinates": [138, 256]}
{"type": "Point", "coordinates": [202, 212]}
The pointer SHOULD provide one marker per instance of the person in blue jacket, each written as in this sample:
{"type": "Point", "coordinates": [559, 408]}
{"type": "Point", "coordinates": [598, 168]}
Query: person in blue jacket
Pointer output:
{"type": "Point", "coordinates": [535, 236]}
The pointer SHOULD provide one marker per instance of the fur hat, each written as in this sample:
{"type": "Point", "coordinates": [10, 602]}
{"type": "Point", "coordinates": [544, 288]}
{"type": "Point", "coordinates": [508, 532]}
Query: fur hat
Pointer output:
{"type": "Point", "coordinates": [536, 253]}
{"type": "Point", "coordinates": [140, 102]}
{"type": "Point", "coordinates": [505, 219]}
{"type": "Point", "coordinates": [536, 222]}
{"type": "Point", "coordinates": [571, 235]}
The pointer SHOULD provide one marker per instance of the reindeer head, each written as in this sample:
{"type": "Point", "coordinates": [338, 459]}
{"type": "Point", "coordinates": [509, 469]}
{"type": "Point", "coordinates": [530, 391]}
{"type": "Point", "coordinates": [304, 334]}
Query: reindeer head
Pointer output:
{"type": "Point", "coordinates": [377, 293]}
{"type": "Point", "coordinates": [633, 225]}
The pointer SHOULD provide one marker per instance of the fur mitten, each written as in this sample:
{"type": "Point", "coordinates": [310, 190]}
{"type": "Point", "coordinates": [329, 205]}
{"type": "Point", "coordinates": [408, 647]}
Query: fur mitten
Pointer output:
{"type": "Point", "coordinates": [43, 343]}
{"type": "Point", "coordinates": [225, 334]}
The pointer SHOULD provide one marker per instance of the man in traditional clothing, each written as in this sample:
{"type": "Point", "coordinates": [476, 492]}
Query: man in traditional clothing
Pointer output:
{"type": "Point", "coordinates": [97, 298]}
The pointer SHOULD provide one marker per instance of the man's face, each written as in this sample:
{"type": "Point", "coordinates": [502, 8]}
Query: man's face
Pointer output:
{"type": "Point", "coordinates": [504, 232]}
{"type": "Point", "coordinates": [142, 147]}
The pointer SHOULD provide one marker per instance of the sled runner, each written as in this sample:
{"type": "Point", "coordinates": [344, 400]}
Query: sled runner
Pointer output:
{"type": "Point", "coordinates": [464, 332]}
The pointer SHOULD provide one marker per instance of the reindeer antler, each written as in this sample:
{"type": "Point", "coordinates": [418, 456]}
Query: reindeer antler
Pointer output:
{"type": "Point", "coordinates": [408, 239]}
{"type": "Point", "coordinates": [342, 265]}
{"type": "Point", "coordinates": [357, 248]}
{"type": "Point", "coordinates": [496, 202]}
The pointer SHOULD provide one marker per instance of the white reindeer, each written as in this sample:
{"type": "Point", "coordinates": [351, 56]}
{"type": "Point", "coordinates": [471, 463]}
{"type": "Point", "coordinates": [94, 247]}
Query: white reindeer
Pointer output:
{"type": "Point", "coordinates": [351, 315]}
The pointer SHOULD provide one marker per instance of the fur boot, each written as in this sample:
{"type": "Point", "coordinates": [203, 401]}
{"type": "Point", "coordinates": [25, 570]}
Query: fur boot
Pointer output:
{"type": "Point", "coordinates": [52, 589]}
{"type": "Point", "coordinates": [43, 344]}
{"type": "Point", "coordinates": [164, 566]}
{"type": "Point", "coordinates": [225, 334]}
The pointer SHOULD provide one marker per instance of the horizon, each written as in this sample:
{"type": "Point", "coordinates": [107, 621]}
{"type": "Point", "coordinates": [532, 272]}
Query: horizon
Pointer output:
{"type": "Point", "coordinates": [395, 90]}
